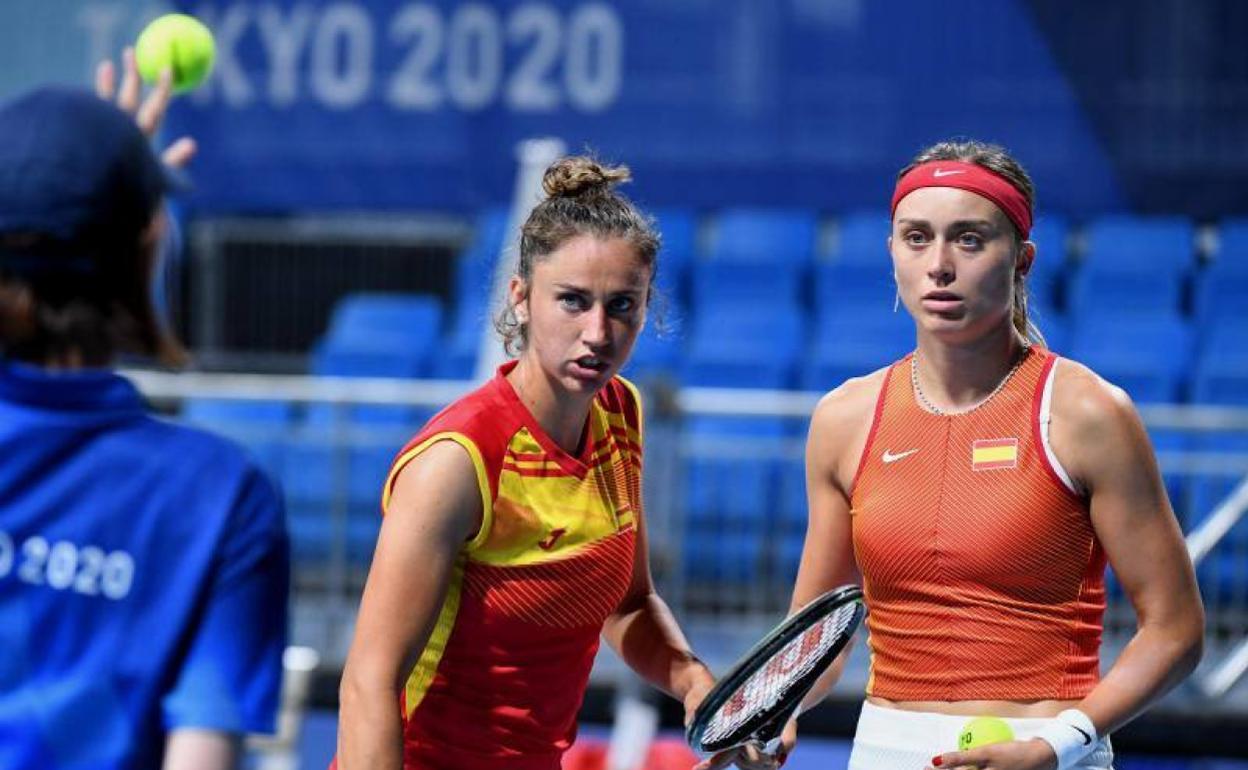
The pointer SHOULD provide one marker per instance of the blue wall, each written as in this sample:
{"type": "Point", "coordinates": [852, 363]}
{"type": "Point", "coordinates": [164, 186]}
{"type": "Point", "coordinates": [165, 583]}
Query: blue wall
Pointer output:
{"type": "Point", "coordinates": [389, 104]}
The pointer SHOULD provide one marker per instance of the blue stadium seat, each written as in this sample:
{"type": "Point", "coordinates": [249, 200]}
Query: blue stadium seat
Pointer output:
{"type": "Point", "coordinates": [376, 355]}
{"type": "Point", "coordinates": [679, 232]}
{"type": "Point", "coordinates": [1055, 328]}
{"type": "Point", "coordinates": [456, 357]}
{"type": "Point", "coordinates": [861, 239]}
{"type": "Point", "coordinates": [724, 559]}
{"type": "Point", "coordinates": [1149, 355]}
{"type": "Point", "coordinates": [791, 516]}
{"type": "Point", "coordinates": [474, 266]}
{"type": "Point", "coordinates": [320, 478]}
{"type": "Point", "coordinates": [1220, 293]}
{"type": "Point", "coordinates": [852, 342]}
{"type": "Point", "coordinates": [1134, 264]}
{"type": "Point", "coordinates": [1221, 288]}
{"type": "Point", "coordinates": [1046, 281]}
{"type": "Point", "coordinates": [788, 557]}
{"type": "Point", "coordinates": [657, 355]}
{"type": "Point", "coordinates": [1221, 375]}
{"type": "Point", "coordinates": [259, 425]}
{"type": "Point", "coordinates": [748, 346]}
{"type": "Point", "coordinates": [728, 499]}
{"type": "Point", "coordinates": [358, 315]}
{"type": "Point", "coordinates": [855, 285]}
{"type": "Point", "coordinates": [769, 236]}
{"type": "Point", "coordinates": [380, 335]}
{"type": "Point", "coordinates": [1140, 244]}
{"type": "Point", "coordinates": [1223, 574]}
{"type": "Point", "coordinates": [1233, 241]}
{"type": "Point", "coordinates": [1094, 289]}
{"type": "Point", "coordinates": [1208, 491]}
{"type": "Point", "coordinates": [729, 284]}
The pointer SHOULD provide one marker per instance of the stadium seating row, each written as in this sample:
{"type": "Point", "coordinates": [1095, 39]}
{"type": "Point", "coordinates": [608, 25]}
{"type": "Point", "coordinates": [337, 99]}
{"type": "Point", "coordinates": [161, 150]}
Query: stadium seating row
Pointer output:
{"type": "Point", "coordinates": [771, 300]}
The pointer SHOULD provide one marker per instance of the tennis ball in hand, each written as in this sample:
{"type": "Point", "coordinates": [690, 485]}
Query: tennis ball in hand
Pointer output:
{"type": "Point", "coordinates": [982, 731]}
{"type": "Point", "coordinates": [179, 43]}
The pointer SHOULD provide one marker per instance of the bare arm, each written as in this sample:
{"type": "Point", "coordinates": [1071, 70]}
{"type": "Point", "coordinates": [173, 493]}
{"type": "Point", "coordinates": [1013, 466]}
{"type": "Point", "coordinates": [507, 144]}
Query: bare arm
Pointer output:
{"type": "Point", "coordinates": [839, 430]}
{"type": "Point", "coordinates": [645, 634]}
{"type": "Point", "coordinates": [435, 506]}
{"type": "Point", "coordinates": [1099, 437]}
{"type": "Point", "coordinates": [838, 435]}
{"type": "Point", "coordinates": [191, 749]}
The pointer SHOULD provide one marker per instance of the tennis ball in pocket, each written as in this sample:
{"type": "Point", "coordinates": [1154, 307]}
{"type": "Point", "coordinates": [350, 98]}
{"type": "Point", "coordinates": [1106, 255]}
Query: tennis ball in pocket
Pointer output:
{"type": "Point", "coordinates": [179, 43]}
{"type": "Point", "coordinates": [982, 731]}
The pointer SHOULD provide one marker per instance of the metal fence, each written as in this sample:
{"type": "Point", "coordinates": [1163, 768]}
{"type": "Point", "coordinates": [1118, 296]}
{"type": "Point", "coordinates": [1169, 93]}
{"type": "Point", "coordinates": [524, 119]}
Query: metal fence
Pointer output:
{"type": "Point", "coordinates": [709, 495]}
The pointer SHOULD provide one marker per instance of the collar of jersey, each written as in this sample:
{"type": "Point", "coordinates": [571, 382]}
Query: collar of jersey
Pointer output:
{"type": "Point", "coordinates": [81, 390]}
{"type": "Point", "coordinates": [574, 466]}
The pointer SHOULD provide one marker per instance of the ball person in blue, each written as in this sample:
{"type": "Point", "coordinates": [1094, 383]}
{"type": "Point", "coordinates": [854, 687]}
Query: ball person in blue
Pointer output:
{"type": "Point", "coordinates": [143, 564]}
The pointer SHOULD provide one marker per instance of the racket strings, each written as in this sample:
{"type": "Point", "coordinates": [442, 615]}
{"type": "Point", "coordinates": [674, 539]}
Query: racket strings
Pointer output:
{"type": "Point", "coordinates": [767, 686]}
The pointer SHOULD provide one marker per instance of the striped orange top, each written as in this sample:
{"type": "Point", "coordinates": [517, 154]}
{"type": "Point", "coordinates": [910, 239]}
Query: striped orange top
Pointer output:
{"type": "Point", "coordinates": [983, 575]}
{"type": "Point", "coordinates": [501, 679]}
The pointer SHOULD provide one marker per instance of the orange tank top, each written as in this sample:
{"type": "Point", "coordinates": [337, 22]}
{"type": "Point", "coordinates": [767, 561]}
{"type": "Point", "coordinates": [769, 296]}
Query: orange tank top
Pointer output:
{"type": "Point", "coordinates": [983, 575]}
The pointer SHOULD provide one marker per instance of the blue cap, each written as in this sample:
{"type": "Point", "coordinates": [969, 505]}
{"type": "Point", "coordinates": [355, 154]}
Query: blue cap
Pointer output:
{"type": "Point", "coordinates": [77, 168]}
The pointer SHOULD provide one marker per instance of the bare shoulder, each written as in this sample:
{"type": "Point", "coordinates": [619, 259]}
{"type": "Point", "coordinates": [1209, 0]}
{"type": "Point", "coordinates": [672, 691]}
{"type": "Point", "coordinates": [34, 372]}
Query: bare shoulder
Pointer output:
{"type": "Point", "coordinates": [1086, 403]}
{"type": "Point", "coordinates": [850, 404]}
{"type": "Point", "coordinates": [1095, 429]}
{"type": "Point", "coordinates": [440, 487]}
{"type": "Point", "coordinates": [840, 427]}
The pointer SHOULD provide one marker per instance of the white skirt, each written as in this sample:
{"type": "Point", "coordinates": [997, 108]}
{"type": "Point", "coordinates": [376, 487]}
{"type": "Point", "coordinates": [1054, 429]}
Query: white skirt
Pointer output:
{"type": "Point", "coordinates": [892, 739]}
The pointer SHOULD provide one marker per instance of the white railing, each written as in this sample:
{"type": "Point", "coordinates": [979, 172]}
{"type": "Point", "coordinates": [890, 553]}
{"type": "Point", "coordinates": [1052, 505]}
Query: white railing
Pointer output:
{"type": "Point", "coordinates": [686, 402]}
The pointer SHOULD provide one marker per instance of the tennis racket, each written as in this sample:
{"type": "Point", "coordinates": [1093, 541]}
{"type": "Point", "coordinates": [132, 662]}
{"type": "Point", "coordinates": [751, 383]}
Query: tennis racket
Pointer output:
{"type": "Point", "coordinates": [753, 701]}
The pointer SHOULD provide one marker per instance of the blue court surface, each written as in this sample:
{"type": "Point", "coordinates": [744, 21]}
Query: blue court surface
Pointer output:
{"type": "Point", "coordinates": [316, 747]}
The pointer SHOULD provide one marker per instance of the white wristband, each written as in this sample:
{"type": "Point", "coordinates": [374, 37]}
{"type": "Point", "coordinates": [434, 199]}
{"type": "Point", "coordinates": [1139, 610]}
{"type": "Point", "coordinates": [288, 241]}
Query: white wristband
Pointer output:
{"type": "Point", "coordinates": [1072, 736]}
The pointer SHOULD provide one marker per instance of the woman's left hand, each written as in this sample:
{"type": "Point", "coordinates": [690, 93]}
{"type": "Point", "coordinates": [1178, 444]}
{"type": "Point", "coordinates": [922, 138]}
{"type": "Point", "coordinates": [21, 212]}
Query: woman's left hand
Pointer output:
{"type": "Point", "coordinates": [148, 112]}
{"type": "Point", "coordinates": [1034, 754]}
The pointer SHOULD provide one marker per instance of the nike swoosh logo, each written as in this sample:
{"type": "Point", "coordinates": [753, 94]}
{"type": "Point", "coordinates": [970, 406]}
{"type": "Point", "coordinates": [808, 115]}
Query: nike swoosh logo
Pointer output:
{"type": "Point", "coordinates": [550, 540]}
{"type": "Point", "coordinates": [1087, 739]}
{"type": "Point", "coordinates": [938, 173]}
{"type": "Point", "coordinates": [889, 457]}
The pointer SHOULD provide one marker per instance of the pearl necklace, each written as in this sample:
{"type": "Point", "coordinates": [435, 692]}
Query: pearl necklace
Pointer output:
{"type": "Point", "coordinates": [929, 406]}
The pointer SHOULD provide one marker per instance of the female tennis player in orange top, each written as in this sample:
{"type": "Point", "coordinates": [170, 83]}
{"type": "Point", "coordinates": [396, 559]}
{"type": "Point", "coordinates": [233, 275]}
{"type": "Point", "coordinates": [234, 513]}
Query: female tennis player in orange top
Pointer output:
{"type": "Point", "coordinates": [513, 534]}
{"type": "Point", "coordinates": [978, 487]}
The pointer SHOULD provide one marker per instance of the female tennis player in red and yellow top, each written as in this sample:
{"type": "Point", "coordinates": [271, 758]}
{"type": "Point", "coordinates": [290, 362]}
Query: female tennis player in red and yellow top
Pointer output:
{"type": "Point", "coordinates": [978, 487]}
{"type": "Point", "coordinates": [513, 534]}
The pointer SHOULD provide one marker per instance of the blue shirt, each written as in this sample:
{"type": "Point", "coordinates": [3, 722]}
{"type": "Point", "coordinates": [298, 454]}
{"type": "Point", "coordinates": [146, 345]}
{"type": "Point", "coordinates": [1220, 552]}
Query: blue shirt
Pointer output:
{"type": "Point", "coordinates": [143, 577]}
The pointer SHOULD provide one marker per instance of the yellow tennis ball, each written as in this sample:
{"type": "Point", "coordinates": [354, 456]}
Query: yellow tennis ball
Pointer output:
{"type": "Point", "coordinates": [982, 731]}
{"type": "Point", "coordinates": [179, 43]}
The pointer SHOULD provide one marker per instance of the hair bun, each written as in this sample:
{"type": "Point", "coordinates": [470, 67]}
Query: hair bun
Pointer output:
{"type": "Point", "coordinates": [577, 176]}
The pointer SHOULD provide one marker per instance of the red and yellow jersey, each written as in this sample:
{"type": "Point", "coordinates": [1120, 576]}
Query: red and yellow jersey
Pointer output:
{"type": "Point", "coordinates": [501, 679]}
{"type": "Point", "coordinates": [983, 575]}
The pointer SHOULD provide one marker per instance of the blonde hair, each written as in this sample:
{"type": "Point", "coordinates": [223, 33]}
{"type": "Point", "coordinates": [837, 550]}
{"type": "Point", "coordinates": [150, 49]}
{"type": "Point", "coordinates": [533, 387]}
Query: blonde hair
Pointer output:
{"type": "Point", "coordinates": [994, 158]}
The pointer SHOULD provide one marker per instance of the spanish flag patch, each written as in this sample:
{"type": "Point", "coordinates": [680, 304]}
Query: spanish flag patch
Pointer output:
{"type": "Point", "coordinates": [989, 454]}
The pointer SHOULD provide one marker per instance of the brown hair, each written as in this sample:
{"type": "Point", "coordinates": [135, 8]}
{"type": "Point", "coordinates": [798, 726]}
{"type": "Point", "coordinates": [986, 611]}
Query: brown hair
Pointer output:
{"type": "Point", "coordinates": [70, 308]}
{"type": "Point", "coordinates": [994, 158]}
{"type": "Point", "coordinates": [580, 200]}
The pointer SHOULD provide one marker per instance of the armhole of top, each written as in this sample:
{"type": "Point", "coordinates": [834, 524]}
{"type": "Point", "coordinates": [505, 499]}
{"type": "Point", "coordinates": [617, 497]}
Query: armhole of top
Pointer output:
{"type": "Point", "coordinates": [478, 463]}
{"type": "Point", "coordinates": [641, 417]}
{"type": "Point", "coordinates": [1043, 418]}
{"type": "Point", "coordinates": [875, 426]}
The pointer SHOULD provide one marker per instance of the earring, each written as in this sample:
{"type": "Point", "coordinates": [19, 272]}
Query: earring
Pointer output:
{"type": "Point", "coordinates": [896, 300]}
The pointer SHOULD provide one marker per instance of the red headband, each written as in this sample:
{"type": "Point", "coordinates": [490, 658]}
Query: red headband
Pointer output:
{"type": "Point", "coordinates": [972, 177]}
